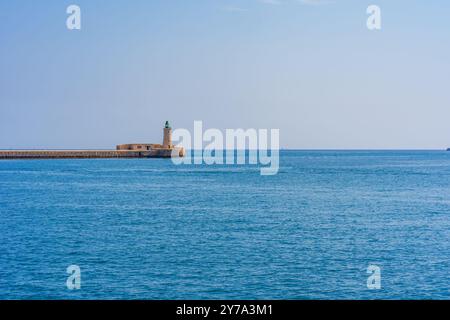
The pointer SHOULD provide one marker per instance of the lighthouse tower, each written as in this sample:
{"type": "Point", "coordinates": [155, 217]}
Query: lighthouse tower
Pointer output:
{"type": "Point", "coordinates": [167, 140]}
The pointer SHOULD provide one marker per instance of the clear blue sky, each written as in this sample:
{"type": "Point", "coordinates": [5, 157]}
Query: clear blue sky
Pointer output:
{"type": "Point", "coordinates": [311, 69]}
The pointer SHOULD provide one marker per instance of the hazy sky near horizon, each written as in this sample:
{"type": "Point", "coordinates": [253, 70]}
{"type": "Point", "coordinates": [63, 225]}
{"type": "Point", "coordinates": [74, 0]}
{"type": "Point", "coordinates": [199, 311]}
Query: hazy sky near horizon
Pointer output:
{"type": "Point", "coordinates": [310, 68]}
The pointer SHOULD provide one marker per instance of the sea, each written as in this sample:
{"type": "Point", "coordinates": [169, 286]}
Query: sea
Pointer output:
{"type": "Point", "coordinates": [328, 225]}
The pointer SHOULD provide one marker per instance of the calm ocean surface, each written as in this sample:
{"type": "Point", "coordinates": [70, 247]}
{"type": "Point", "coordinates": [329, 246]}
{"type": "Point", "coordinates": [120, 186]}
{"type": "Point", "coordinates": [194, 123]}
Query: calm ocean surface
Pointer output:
{"type": "Point", "coordinates": [148, 229]}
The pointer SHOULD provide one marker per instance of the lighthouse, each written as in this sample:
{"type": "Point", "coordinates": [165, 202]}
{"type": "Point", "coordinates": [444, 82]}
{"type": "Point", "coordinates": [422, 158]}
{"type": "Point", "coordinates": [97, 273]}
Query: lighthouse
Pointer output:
{"type": "Point", "coordinates": [167, 140]}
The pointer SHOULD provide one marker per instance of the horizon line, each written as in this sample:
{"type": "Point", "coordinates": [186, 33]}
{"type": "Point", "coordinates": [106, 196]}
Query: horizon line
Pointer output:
{"type": "Point", "coordinates": [280, 149]}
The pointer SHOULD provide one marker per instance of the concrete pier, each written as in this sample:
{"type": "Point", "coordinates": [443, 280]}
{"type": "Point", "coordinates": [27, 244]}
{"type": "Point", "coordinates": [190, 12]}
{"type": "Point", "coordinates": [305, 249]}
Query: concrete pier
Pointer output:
{"type": "Point", "coordinates": [85, 154]}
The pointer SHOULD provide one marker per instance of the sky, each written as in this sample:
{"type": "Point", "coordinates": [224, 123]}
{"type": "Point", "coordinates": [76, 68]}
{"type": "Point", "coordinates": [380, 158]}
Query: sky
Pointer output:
{"type": "Point", "coordinates": [310, 68]}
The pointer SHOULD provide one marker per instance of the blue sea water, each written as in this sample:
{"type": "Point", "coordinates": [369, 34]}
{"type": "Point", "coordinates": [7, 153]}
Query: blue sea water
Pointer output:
{"type": "Point", "coordinates": [148, 229]}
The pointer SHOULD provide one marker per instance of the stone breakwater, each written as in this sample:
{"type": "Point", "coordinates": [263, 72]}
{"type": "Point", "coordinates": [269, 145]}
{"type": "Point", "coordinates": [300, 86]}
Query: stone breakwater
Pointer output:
{"type": "Point", "coordinates": [85, 154]}
{"type": "Point", "coordinates": [132, 150]}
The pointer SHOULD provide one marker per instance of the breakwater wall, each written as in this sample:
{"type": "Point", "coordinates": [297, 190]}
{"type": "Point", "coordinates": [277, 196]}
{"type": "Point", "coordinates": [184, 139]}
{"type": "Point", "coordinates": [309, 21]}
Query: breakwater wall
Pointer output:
{"type": "Point", "coordinates": [84, 154]}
